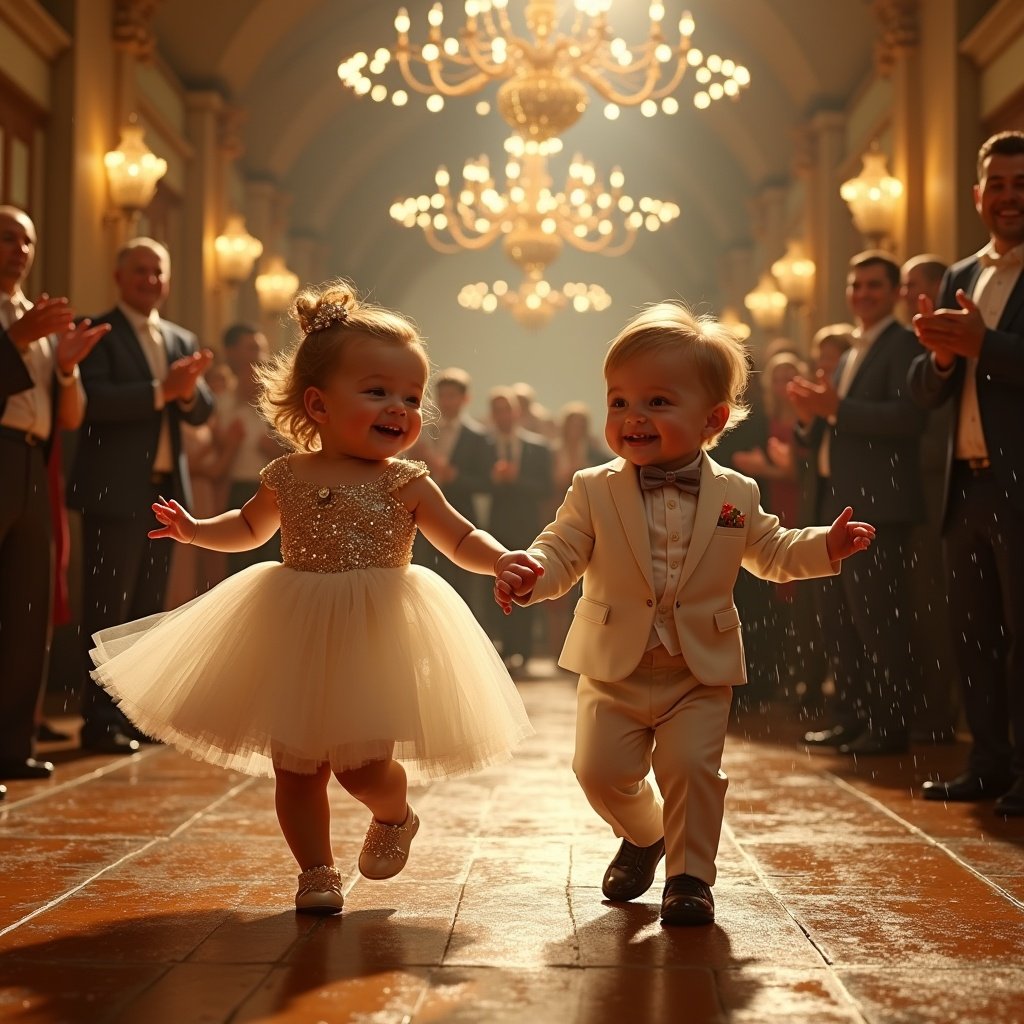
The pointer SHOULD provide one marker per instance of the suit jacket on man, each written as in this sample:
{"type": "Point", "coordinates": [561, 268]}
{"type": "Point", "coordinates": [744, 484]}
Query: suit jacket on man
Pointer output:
{"type": "Point", "coordinates": [1000, 383]}
{"type": "Point", "coordinates": [600, 533]}
{"type": "Point", "coordinates": [14, 377]}
{"type": "Point", "coordinates": [472, 458]}
{"type": "Point", "coordinates": [874, 451]}
{"type": "Point", "coordinates": [516, 504]}
{"type": "Point", "coordinates": [112, 470]}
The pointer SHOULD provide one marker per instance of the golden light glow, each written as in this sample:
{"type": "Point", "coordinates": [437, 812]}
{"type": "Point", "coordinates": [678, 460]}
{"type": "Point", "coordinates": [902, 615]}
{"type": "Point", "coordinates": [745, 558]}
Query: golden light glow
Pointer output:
{"type": "Point", "coordinates": [545, 75]}
{"type": "Point", "coordinates": [730, 320]}
{"type": "Point", "coordinates": [133, 170]}
{"type": "Point", "coordinates": [766, 303]}
{"type": "Point", "coordinates": [795, 274]}
{"type": "Point", "coordinates": [873, 197]}
{"type": "Point", "coordinates": [536, 300]}
{"type": "Point", "coordinates": [237, 251]}
{"type": "Point", "coordinates": [276, 286]}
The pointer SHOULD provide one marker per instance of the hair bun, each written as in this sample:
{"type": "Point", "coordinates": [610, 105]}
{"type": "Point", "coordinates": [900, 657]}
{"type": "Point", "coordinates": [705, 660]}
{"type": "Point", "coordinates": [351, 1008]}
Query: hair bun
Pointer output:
{"type": "Point", "coordinates": [317, 309]}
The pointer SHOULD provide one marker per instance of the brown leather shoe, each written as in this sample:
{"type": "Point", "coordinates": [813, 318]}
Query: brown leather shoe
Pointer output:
{"type": "Point", "coordinates": [631, 872]}
{"type": "Point", "coordinates": [687, 900]}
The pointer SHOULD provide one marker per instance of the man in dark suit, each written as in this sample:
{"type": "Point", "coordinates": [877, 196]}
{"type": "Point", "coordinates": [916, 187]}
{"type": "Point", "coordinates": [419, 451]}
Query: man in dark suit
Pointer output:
{"type": "Point", "coordinates": [864, 433]}
{"type": "Point", "coordinates": [521, 481]}
{"type": "Point", "coordinates": [975, 358]}
{"type": "Point", "coordinates": [458, 453]}
{"type": "Point", "coordinates": [40, 394]}
{"type": "Point", "coordinates": [141, 385]}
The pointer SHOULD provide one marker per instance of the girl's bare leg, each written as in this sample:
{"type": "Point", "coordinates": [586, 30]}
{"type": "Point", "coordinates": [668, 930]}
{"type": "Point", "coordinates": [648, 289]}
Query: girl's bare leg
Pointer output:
{"type": "Point", "coordinates": [382, 787]}
{"type": "Point", "coordinates": [305, 815]}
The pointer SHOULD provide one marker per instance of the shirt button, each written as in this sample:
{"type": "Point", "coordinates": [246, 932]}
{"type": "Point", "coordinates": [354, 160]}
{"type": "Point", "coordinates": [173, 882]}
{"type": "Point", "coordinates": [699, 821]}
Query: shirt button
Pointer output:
{"type": "Point", "coordinates": [674, 565]}
{"type": "Point", "coordinates": [672, 504]}
{"type": "Point", "coordinates": [673, 536]}
{"type": "Point", "coordinates": [650, 603]}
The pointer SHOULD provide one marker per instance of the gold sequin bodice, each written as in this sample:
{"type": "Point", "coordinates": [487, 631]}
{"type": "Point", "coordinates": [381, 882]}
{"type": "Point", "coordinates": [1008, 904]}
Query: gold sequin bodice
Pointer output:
{"type": "Point", "coordinates": [352, 526]}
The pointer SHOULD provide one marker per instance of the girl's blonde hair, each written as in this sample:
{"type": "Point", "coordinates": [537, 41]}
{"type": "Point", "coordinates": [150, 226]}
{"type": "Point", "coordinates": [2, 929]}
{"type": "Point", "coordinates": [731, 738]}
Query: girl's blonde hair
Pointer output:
{"type": "Point", "coordinates": [717, 355]}
{"type": "Point", "coordinates": [329, 316]}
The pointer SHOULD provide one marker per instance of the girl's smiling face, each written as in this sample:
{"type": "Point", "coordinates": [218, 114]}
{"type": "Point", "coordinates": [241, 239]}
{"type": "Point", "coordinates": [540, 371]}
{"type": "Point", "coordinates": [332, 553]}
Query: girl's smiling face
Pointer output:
{"type": "Point", "coordinates": [370, 406]}
{"type": "Point", "coordinates": [659, 413]}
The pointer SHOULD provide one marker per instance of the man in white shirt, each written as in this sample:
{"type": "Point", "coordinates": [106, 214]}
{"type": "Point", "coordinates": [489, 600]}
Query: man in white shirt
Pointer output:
{"type": "Point", "coordinates": [141, 384]}
{"type": "Point", "coordinates": [975, 359]}
{"type": "Point", "coordinates": [40, 393]}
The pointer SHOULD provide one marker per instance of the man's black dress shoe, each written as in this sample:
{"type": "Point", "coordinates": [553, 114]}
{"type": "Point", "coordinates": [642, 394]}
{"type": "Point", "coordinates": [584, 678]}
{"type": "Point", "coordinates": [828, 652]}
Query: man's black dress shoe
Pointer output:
{"type": "Point", "coordinates": [832, 738]}
{"type": "Point", "coordinates": [631, 873]}
{"type": "Point", "coordinates": [109, 740]}
{"type": "Point", "coordinates": [45, 733]}
{"type": "Point", "coordinates": [967, 787]}
{"type": "Point", "coordinates": [869, 744]}
{"type": "Point", "coordinates": [687, 900]}
{"type": "Point", "coordinates": [1011, 803]}
{"type": "Point", "coordinates": [30, 768]}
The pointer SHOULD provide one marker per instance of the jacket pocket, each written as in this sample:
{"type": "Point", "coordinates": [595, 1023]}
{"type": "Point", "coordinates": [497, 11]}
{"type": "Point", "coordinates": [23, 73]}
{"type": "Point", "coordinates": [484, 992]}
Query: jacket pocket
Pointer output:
{"type": "Point", "coordinates": [728, 618]}
{"type": "Point", "coordinates": [592, 611]}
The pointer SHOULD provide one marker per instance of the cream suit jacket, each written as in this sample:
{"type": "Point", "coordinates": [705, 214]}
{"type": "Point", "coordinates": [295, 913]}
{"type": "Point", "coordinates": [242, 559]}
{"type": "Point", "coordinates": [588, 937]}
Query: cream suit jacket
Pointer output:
{"type": "Point", "coordinates": [600, 533]}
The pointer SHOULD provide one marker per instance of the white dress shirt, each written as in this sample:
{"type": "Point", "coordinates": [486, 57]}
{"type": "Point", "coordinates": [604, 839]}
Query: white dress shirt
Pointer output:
{"type": "Point", "coordinates": [670, 517]}
{"type": "Point", "coordinates": [154, 348]}
{"type": "Point", "coordinates": [31, 410]}
{"type": "Point", "coordinates": [861, 341]}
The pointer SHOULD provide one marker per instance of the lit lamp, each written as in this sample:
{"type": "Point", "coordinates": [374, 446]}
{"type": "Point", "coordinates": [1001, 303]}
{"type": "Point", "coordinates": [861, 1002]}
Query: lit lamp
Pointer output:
{"type": "Point", "coordinates": [731, 321]}
{"type": "Point", "coordinates": [795, 274]}
{"type": "Point", "coordinates": [873, 197]}
{"type": "Point", "coordinates": [276, 286]}
{"type": "Point", "coordinates": [766, 303]}
{"type": "Point", "coordinates": [237, 252]}
{"type": "Point", "coordinates": [133, 171]}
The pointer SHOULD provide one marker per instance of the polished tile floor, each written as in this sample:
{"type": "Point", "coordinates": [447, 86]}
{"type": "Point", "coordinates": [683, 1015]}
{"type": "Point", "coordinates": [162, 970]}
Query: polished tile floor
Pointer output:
{"type": "Point", "coordinates": [155, 889]}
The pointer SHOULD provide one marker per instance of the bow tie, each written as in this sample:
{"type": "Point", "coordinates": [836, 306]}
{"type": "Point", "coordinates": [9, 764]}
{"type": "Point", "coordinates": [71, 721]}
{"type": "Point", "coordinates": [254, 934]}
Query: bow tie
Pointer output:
{"type": "Point", "coordinates": [1007, 259]}
{"type": "Point", "coordinates": [651, 478]}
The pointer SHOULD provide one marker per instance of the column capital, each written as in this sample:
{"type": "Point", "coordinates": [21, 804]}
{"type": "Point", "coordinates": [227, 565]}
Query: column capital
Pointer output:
{"type": "Point", "coordinates": [898, 30]}
{"type": "Point", "coordinates": [232, 118]}
{"type": "Point", "coordinates": [131, 30]}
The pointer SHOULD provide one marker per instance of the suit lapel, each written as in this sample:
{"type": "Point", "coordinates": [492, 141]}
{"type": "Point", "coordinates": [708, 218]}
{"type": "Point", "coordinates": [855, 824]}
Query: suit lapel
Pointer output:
{"type": "Point", "coordinates": [122, 325]}
{"type": "Point", "coordinates": [1014, 304]}
{"type": "Point", "coordinates": [709, 508]}
{"type": "Point", "coordinates": [629, 503]}
{"type": "Point", "coordinates": [870, 356]}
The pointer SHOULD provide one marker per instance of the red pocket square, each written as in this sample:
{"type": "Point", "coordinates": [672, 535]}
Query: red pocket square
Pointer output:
{"type": "Point", "coordinates": [732, 517]}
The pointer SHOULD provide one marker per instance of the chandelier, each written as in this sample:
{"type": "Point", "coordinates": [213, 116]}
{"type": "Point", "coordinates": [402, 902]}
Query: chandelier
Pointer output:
{"type": "Point", "coordinates": [533, 220]}
{"type": "Point", "coordinates": [536, 300]}
{"type": "Point", "coordinates": [546, 76]}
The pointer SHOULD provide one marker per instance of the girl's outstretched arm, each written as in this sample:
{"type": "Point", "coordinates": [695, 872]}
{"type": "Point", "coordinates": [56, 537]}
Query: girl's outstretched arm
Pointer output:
{"type": "Point", "coordinates": [238, 530]}
{"type": "Point", "coordinates": [449, 531]}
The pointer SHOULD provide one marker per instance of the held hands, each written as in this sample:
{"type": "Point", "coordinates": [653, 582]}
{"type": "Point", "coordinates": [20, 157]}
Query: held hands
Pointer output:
{"type": "Point", "coordinates": [515, 575]}
{"type": "Point", "coordinates": [177, 523]}
{"type": "Point", "coordinates": [948, 333]}
{"type": "Point", "coordinates": [846, 538]}
{"type": "Point", "coordinates": [812, 398]}
{"type": "Point", "coordinates": [183, 374]}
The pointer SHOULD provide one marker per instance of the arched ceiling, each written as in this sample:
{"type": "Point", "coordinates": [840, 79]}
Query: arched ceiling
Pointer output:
{"type": "Point", "coordinates": [344, 159]}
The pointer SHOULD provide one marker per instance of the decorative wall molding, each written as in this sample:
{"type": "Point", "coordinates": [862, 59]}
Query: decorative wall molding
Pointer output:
{"type": "Point", "coordinates": [1001, 26]}
{"type": "Point", "coordinates": [36, 27]}
{"type": "Point", "coordinates": [131, 29]}
{"type": "Point", "coordinates": [898, 30]}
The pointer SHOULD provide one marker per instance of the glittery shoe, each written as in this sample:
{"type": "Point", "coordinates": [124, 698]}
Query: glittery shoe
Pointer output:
{"type": "Point", "coordinates": [386, 847]}
{"type": "Point", "coordinates": [320, 891]}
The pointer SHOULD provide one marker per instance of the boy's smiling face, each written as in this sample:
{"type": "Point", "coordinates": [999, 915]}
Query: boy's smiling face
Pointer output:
{"type": "Point", "coordinates": [659, 413]}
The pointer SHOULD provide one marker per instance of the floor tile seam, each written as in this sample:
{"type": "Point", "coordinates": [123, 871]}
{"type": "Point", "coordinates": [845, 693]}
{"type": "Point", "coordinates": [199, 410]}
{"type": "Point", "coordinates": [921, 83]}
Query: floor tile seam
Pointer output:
{"type": "Point", "coordinates": [96, 773]}
{"type": "Point", "coordinates": [239, 787]}
{"type": "Point", "coordinates": [827, 964]}
{"type": "Point", "coordinates": [925, 837]}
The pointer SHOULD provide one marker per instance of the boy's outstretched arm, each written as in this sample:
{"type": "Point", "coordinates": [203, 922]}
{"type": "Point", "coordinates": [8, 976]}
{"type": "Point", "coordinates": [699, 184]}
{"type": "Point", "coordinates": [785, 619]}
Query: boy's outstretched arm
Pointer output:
{"type": "Point", "coordinates": [846, 537]}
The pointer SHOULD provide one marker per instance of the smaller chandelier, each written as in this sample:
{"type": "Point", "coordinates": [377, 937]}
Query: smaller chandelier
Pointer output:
{"type": "Point", "coordinates": [766, 303]}
{"type": "Point", "coordinates": [237, 252]}
{"type": "Point", "coordinates": [873, 197]}
{"type": "Point", "coordinates": [276, 286]}
{"type": "Point", "coordinates": [795, 274]}
{"type": "Point", "coordinates": [545, 75]}
{"type": "Point", "coordinates": [536, 300]}
{"type": "Point", "coordinates": [133, 170]}
{"type": "Point", "coordinates": [731, 322]}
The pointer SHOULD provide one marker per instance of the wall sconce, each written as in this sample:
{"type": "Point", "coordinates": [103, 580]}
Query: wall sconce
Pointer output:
{"type": "Point", "coordinates": [873, 197]}
{"type": "Point", "coordinates": [795, 274]}
{"type": "Point", "coordinates": [731, 322]}
{"type": "Point", "coordinates": [133, 171]}
{"type": "Point", "coordinates": [766, 303]}
{"type": "Point", "coordinates": [276, 286]}
{"type": "Point", "coordinates": [237, 252]}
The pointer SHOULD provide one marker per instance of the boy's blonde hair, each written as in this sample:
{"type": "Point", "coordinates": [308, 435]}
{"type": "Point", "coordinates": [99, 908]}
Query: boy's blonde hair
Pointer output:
{"type": "Point", "coordinates": [717, 355]}
{"type": "Point", "coordinates": [329, 316]}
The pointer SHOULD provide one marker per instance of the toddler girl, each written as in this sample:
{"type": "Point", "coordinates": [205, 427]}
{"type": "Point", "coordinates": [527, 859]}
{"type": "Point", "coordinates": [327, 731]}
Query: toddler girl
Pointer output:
{"type": "Point", "coordinates": [346, 658]}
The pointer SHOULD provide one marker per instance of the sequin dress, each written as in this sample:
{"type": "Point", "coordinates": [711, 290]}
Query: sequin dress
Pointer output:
{"type": "Point", "coordinates": [345, 653]}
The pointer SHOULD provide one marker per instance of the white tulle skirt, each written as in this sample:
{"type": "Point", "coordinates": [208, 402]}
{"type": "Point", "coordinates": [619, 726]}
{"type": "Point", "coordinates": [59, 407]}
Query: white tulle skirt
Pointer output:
{"type": "Point", "coordinates": [294, 669]}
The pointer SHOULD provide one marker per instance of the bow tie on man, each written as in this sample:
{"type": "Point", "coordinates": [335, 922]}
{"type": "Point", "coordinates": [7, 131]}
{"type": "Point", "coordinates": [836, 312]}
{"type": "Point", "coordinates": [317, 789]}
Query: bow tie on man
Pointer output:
{"type": "Point", "coordinates": [688, 480]}
{"type": "Point", "coordinates": [1006, 259]}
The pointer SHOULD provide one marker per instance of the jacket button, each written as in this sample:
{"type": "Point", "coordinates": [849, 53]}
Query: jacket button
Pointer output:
{"type": "Point", "coordinates": [677, 604]}
{"type": "Point", "coordinates": [650, 603]}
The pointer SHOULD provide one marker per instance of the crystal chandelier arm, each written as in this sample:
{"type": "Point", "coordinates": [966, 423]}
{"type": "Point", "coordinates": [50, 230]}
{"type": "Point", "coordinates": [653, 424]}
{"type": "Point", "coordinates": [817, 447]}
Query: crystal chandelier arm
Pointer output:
{"type": "Point", "coordinates": [602, 244]}
{"type": "Point", "coordinates": [610, 93]}
{"type": "Point", "coordinates": [437, 83]}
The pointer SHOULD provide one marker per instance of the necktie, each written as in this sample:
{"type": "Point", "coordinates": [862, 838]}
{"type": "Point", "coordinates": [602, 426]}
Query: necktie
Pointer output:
{"type": "Point", "coordinates": [688, 480]}
{"type": "Point", "coordinates": [1007, 259]}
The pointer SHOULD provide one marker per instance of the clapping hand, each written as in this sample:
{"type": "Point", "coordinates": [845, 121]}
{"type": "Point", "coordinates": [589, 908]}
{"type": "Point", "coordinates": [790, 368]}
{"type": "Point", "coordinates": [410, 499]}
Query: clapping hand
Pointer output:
{"type": "Point", "coordinates": [74, 345]}
{"type": "Point", "coordinates": [948, 333]}
{"type": "Point", "coordinates": [183, 375]}
{"type": "Point", "coordinates": [177, 524]}
{"type": "Point", "coordinates": [515, 575]}
{"type": "Point", "coordinates": [812, 398]}
{"type": "Point", "coordinates": [47, 316]}
{"type": "Point", "coordinates": [846, 538]}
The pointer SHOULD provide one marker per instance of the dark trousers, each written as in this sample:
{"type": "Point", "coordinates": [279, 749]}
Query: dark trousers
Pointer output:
{"type": "Point", "coordinates": [985, 560]}
{"type": "Point", "coordinates": [124, 578]}
{"type": "Point", "coordinates": [26, 578]}
{"type": "Point", "coordinates": [866, 629]}
{"type": "Point", "coordinates": [270, 551]}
